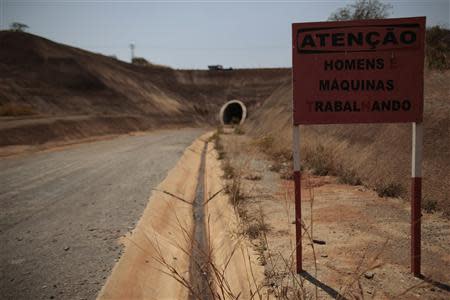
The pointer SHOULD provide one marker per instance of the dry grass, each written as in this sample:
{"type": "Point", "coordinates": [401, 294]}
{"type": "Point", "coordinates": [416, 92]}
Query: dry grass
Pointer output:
{"type": "Point", "coordinates": [238, 130]}
{"type": "Point", "coordinates": [215, 139]}
{"type": "Point", "coordinates": [233, 188]}
{"type": "Point", "coordinates": [275, 167]}
{"type": "Point", "coordinates": [233, 177]}
{"type": "Point", "coordinates": [218, 286]}
{"type": "Point", "coordinates": [253, 177]}
{"type": "Point", "coordinates": [430, 205]}
{"type": "Point", "coordinates": [373, 151]}
{"type": "Point", "coordinates": [265, 144]}
{"type": "Point", "coordinates": [347, 176]}
{"type": "Point", "coordinates": [281, 276]}
{"type": "Point", "coordinates": [282, 281]}
{"type": "Point", "coordinates": [256, 227]}
{"type": "Point", "coordinates": [14, 110]}
{"type": "Point", "coordinates": [281, 158]}
{"type": "Point", "coordinates": [389, 189]}
{"type": "Point", "coordinates": [320, 160]}
{"type": "Point", "coordinates": [438, 48]}
{"type": "Point", "coordinates": [228, 170]}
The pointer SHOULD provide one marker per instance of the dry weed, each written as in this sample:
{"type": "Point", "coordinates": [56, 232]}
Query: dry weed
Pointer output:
{"type": "Point", "coordinates": [389, 189]}
{"type": "Point", "coordinates": [15, 110]}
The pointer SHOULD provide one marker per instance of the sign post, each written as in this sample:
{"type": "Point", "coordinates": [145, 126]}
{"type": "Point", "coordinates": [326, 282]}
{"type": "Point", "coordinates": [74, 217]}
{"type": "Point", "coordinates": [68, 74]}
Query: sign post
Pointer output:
{"type": "Point", "coordinates": [416, 196]}
{"type": "Point", "coordinates": [365, 71]}
{"type": "Point", "coordinates": [298, 197]}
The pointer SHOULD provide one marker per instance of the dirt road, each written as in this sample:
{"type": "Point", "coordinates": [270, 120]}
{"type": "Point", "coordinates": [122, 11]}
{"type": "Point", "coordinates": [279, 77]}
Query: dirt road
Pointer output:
{"type": "Point", "coordinates": [62, 212]}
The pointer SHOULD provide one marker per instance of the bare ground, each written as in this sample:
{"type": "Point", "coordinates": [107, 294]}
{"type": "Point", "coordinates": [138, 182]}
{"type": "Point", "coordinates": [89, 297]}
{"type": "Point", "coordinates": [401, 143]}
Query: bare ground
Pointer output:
{"type": "Point", "coordinates": [53, 92]}
{"type": "Point", "coordinates": [63, 211]}
{"type": "Point", "coordinates": [366, 238]}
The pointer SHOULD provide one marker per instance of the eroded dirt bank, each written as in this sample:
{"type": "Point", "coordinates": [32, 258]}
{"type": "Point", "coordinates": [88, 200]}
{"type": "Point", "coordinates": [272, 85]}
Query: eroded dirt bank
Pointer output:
{"type": "Point", "coordinates": [53, 92]}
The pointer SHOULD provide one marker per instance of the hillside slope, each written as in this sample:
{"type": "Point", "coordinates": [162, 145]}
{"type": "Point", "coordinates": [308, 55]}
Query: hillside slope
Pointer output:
{"type": "Point", "coordinates": [50, 91]}
{"type": "Point", "coordinates": [379, 154]}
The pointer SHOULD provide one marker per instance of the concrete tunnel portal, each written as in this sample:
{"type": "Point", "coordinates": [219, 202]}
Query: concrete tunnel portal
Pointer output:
{"type": "Point", "coordinates": [233, 112]}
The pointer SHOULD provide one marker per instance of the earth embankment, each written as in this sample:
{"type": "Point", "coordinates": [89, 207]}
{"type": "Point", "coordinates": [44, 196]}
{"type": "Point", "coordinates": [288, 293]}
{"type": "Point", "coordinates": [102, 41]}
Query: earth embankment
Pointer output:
{"type": "Point", "coordinates": [41, 79]}
{"type": "Point", "coordinates": [379, 154]}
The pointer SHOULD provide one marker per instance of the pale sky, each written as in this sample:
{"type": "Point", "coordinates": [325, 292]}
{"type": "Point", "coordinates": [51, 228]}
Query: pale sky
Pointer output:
{"type": "Point", "coordinates": [189, 34]}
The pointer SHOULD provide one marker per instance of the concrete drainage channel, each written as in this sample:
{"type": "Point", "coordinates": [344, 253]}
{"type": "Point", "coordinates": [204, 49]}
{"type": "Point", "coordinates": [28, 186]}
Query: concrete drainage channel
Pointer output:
{"type": "Point", "coordinates": [174, 252]}
{"type": "Point", "coordinates": [199, 267]}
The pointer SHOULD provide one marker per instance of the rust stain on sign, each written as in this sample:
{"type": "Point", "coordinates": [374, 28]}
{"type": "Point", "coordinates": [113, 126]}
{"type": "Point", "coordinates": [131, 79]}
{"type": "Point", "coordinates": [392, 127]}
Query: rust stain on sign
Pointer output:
{"type": "Point", "coordinates": [367, 71]}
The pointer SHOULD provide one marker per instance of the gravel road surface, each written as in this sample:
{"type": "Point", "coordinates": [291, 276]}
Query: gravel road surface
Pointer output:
{"type": "Point", "coordinates": [62, 212]}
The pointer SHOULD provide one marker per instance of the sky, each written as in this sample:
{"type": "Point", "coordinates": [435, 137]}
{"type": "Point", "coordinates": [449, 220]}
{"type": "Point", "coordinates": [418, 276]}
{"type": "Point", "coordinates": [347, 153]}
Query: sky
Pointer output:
{"type": "Point", "coordinates": [189, 34]}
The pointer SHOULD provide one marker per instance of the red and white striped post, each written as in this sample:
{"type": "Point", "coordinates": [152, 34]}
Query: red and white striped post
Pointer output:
{"type": "Point", "coordinates": [416, 197]}
{"type": "Point", "coordinates": [298, 197]}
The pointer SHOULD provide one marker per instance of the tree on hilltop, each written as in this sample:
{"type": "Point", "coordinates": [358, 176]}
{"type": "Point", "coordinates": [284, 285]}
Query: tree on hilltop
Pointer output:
{"type": "Point", "coordinates": [362, 10]}
{"type": "Point", "coordinates": [18, 27]}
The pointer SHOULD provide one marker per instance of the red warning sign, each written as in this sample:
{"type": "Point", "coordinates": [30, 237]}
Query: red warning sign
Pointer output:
{"type": "Point", "coordinates": [367, 71]}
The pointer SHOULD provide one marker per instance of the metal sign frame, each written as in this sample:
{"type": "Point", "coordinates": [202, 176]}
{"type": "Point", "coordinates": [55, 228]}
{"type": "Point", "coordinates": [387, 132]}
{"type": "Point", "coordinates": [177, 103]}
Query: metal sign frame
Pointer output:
{"type": "Point", "coordinates": [310, 53]}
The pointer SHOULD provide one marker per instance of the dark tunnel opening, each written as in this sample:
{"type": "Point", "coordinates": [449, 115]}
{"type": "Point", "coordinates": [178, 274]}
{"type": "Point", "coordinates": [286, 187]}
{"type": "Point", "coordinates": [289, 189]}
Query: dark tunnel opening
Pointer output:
{"type": "Point", "coordinates": [233, 114]}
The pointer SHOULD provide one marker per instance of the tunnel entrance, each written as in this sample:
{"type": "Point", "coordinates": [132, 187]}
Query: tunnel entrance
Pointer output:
{"type": "Point", "coordinates": [233, 112]}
